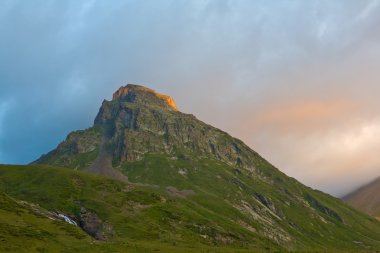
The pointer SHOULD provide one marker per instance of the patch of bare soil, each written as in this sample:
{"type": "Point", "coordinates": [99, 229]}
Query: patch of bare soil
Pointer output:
{"type": "Point", "coordinates": [103, 166]}
{"type": "Point", "coordinates": [179, 193]}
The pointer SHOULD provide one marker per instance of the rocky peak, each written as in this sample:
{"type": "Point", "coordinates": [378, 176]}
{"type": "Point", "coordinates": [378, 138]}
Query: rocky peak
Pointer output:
{"type": "Point", "coordinates": [143, 95]}
{"type": "Point", "coordinates": [140, 121]}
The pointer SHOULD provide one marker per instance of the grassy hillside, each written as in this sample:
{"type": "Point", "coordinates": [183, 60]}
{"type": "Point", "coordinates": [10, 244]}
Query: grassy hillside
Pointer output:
{"type": "Point", "coordinates": [187, 217]}
{"type": "Point", "coordinates": [137, 218]}
{"type": "Point", "coordinates": [278, 207]}
{"type": "Point", "coordinates": [25, 228]}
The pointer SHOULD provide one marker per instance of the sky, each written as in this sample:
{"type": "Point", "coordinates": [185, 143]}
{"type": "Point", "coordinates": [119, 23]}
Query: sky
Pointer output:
{"type": "Point", "coordinates": [298, 81]}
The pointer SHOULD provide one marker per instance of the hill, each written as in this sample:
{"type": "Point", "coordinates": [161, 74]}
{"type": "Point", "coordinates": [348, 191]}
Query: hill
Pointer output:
{"type": "Point", "coordinates": [111, 216]}
{"type": "Point", "coordinates": [366, 198]}
{"type": "Point", "coordinates": [205, 187]}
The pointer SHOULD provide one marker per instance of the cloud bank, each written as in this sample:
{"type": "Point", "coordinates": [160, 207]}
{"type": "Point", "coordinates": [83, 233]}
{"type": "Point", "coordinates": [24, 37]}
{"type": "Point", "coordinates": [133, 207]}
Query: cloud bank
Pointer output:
{"type": "Point", "coordinates": [298, 81]}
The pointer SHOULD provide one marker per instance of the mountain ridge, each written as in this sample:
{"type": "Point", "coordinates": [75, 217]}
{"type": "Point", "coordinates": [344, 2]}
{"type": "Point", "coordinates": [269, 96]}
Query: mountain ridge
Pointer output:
{"type": "Point", "coordinates": [366, 198]}
{"type": "Point", "coordinates": [122, 108]}
{"type": "Point", "coordinates": [142, 138]}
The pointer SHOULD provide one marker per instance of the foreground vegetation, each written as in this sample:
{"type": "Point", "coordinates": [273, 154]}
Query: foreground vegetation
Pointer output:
{"type": "Point", "coordinates": [144, 218]}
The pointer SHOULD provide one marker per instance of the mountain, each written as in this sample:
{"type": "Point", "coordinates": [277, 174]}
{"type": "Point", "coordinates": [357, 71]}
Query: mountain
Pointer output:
{"type": "Point", "coordinates": [366, 198]}
{"type": "Point", "coordinates": [168, 179]}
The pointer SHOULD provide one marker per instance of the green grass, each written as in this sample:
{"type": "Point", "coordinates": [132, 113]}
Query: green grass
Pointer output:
{"type": "Point", "coordinates": [24, 230]}
{"type": "Point", "coordinates": [312, 219]}
{"type": "Point", "coordinates": [136, 213]}
{"type": "Point", "coordinates": [146, 218]}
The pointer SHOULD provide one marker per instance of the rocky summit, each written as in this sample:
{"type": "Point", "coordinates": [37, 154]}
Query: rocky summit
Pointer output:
{"type": "Point", "coordinates": [139, 121]}
{"type": "Point", "coordinates": [141, 94]}
{"type": "Point", "coordinates": [183, 183]}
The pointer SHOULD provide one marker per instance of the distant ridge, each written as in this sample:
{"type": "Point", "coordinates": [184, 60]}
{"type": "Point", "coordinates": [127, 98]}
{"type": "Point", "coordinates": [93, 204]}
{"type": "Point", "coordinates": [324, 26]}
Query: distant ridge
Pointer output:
{"type": "Point", "coordinates": [366, 198]}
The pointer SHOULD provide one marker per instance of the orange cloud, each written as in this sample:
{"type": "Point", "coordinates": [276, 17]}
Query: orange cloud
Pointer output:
{"type": "Point", "coordinates": [300, 116]}
{"type": "Point", "coordinates": [330, 144]}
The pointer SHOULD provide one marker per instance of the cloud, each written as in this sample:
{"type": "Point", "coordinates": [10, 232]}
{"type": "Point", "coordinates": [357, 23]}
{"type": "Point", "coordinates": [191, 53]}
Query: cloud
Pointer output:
{"type": "Point", "coordinates": [371, 6]}
{"type": "Point", "coordinates": [303, 116]}
{"type": "Point", "coordinates": [343, 158]}
{"type": "Point", "coordinates": [293, 79]}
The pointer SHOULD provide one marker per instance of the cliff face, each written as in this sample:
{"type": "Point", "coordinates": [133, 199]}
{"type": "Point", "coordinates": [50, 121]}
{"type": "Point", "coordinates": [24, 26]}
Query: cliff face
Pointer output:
{"type": "Point", "coordinates": [138, 121]}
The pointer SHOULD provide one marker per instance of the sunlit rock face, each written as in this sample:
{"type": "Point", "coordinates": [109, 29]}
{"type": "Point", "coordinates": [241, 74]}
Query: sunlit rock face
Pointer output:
{"type": "Point", "coordinates": [139, 120]}
{"type": "Point", "coordinates": [142, 95]}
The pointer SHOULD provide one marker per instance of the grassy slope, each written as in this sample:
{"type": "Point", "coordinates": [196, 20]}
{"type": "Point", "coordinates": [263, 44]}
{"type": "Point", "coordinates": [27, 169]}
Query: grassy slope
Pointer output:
{"type": "Point", "coordinates": [24, 230]}
{"type": "Point", "coordinates": [144, 219]}
{"type": "Point", "coordinates": [147, 218]}
{"type": "Point", "coordinates": [312, 219]}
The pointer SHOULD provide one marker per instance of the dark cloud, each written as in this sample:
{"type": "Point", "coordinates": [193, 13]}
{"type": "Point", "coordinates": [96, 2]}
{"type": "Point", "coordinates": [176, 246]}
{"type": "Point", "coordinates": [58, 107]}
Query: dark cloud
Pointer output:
{"type": "Point", "coordinates": [296, 80]}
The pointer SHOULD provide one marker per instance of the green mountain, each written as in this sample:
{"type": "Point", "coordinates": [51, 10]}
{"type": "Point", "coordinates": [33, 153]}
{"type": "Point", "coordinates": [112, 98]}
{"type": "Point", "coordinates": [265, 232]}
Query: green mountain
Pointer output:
{"type": "Point", "coordinates": [183, 185]}
{"type": "Point", "coordinates": [366, 198]}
